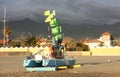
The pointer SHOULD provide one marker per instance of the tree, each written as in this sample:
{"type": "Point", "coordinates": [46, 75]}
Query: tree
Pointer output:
{"type": "Point", "coordinates": [30, 41]}
{"type": "Point", "coordinates": [73, 45]}
{"type": "Point", "coordinates": [101, 44]}
{"type": "Point", "coordinates": [82, 47]}
{"type": "Point", "coordinates": [70, 44]}
{"type": "Point", "coordinates": [15, 43]}
{"type": "Point", "coordinates": [86, 48]}
{"type": "Point", "coordinates": [7, 33]}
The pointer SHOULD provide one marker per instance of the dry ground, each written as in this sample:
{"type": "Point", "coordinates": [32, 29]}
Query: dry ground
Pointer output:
{"type": "Point", "coordinates": [92, 66]}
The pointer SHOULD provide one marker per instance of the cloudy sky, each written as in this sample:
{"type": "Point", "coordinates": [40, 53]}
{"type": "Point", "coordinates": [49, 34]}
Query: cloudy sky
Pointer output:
{"type": "Point", "coordinates": [77, 11]}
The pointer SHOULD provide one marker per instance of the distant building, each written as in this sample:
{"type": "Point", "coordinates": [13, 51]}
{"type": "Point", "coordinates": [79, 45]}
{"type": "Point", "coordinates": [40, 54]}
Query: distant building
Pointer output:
{"type": "Point", "coordinates": [105, 39]}
{"type": "Point", "coordinates": [92, 43]}
{"type": "Point", "coordinates": [2, 41]}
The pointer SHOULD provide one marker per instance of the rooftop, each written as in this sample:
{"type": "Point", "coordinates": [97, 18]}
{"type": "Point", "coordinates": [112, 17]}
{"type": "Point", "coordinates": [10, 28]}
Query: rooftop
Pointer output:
{"type": "Point", "coordinates": [106, 33]}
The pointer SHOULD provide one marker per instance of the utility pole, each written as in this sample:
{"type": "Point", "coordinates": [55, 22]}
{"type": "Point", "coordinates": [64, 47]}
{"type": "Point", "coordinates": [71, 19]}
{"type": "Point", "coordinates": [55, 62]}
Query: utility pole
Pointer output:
{"type": "Point", "coordinates": [4, 23]}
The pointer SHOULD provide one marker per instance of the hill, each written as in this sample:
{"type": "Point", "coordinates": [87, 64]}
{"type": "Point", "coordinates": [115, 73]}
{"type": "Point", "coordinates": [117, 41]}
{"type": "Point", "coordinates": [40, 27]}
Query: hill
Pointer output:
{"type": "Point", "coordinates": [77, 31]}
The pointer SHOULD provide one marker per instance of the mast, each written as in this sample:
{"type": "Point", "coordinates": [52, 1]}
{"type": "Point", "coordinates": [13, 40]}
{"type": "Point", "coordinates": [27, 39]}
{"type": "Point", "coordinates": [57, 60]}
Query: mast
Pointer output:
{"type": "Point", "coordinates": [49, 34]}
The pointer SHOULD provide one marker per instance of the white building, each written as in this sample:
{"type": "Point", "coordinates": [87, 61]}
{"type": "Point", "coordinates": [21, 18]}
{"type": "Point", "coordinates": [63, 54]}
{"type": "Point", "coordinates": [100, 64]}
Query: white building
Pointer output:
{"type": "Point", "coordinates": [92, 43]}
{"type": "Point", "coordinates": [105, 38]}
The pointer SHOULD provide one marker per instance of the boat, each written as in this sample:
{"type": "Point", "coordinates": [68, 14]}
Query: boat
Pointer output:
{"type": "Point", "coordinates": [53, 58]}
{"type": "Point", "coordinates": [45, 60]}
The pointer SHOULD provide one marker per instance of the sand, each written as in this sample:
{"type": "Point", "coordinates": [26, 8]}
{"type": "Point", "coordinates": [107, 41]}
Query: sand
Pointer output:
{"type": "Point", "coordinates": [92, 66]}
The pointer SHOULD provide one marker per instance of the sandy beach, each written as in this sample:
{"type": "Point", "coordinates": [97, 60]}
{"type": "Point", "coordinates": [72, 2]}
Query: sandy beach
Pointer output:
{"type": "Point", "coordinates": [91, 66]}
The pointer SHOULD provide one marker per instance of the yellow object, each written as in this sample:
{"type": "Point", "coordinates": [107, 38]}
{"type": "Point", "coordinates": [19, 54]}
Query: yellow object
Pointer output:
{"type": "Point", "coordinates": [76, 66]}
{"type": "Point", "coordinates": [67, 67]}
{"type": "Point", "coordinates": [87, 53]}
{"type": "Point", "coordinates": [51, 15]}
{"type": "Point", "coordinates": [51, 22]}
{"type": "Point", "coordinates": [54, 12]}
{"type": "Point", "coordinates": [62, 67]}
{"type": "Point", "coordinates": [105, 51]}
{"type": "Point", "coordinates": [48, 19]}
{"type": "Point", "coordinates": [47, 13]}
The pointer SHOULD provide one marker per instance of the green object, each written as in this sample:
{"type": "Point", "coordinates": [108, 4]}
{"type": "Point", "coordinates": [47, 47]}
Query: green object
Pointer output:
{"type": "Point", "coordinates": [57, 37]}
{"type": "Point", "coordinates": [54, 22]}
{"type": "Point", "coordinates": [56, 30]}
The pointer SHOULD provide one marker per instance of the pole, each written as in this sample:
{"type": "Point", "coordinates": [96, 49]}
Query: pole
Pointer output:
{"type": "Point", "coordinates": [4, 21]}
{"type": "Point", "coordinates": [49, 34]}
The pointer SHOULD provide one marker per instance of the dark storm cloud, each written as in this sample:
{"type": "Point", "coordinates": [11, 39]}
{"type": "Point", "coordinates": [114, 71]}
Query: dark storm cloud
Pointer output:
{"type": "Point", "coordinates": [94, 10]}
{"type": "Point", "coordinates": [91, 11]}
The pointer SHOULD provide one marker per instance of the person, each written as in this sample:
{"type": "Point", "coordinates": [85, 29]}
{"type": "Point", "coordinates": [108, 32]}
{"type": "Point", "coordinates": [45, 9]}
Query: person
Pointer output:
{"type": "Point", "coordinates": [51, 49]}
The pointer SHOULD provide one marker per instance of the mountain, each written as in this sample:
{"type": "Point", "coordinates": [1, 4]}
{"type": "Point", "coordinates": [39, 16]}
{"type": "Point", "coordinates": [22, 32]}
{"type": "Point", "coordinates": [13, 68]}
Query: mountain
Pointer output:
{"type": "Point", "coordinates": [26, 27]}
{"type": "Point", "coordinates": [82, 31]}
{"type": "Point", "coordinates": [29, 27]}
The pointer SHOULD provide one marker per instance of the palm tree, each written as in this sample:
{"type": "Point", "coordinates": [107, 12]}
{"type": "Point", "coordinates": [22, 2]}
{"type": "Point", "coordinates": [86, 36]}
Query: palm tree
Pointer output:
{"type": "Point", "coordinates": [7, 33]}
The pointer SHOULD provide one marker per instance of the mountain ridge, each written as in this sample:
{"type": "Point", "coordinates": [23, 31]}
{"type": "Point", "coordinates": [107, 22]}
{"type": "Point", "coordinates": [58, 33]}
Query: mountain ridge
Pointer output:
{"type": "Point", "coordinates": [77, 31]}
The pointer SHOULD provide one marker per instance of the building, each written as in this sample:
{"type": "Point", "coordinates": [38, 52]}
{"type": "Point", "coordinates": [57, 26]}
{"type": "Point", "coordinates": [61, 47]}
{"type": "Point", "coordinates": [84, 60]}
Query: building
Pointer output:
{"type": "Point", "coordinates": [105, 39]}
{"type": "Point", "coordinates": [92, 43]}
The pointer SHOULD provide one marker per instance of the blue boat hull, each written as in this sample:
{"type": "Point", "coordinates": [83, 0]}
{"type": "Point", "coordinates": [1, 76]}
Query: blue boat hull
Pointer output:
{"type": "Point", "coordinates": [48, 62]}
{"type": "Point", "coordinates": [61, 62]}
{"type": "Point", "coordinates": [32, 63]}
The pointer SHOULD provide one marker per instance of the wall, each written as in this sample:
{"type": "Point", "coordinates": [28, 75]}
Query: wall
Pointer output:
{"type": "Point", "coordinates": [105, 51]}
{"type": "Point", "coordinates": [78, 53]}
{"type": "Point", "coordinates": [100, 51]}
{"type": "Point", "coordinates": [20, 50]}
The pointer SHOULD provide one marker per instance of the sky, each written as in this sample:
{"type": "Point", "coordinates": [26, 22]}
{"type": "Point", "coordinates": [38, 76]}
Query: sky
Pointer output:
{"type": "Point", "coordinates": [74, 11]}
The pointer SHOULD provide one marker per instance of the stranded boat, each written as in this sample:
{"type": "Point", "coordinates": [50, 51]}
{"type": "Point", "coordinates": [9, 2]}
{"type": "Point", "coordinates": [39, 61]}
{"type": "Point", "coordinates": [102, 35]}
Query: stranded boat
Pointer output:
{"type": "Point", "coordinates": [48, 59]}
{"type": "Point", "coordinates": [53, 58]}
